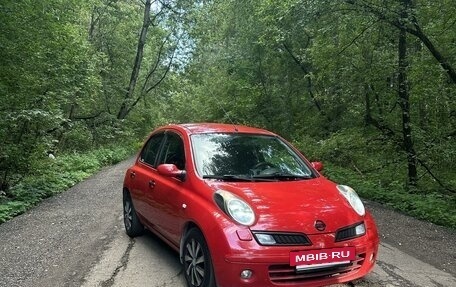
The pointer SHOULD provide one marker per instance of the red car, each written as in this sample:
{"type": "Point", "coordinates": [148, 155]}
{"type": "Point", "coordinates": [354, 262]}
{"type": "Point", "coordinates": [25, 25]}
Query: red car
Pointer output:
{"type": "Point", "coordinates": [243, 207]}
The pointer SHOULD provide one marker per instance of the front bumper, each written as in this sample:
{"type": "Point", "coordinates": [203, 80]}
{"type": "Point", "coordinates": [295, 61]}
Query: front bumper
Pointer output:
{"type": "Point", "coordinates": [270, 265]}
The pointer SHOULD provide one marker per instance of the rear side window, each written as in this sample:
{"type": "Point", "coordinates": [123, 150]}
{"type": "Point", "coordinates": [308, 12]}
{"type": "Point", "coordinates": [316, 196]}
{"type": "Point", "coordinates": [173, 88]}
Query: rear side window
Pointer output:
{"type": "Point", "coordinates": [151, 149]}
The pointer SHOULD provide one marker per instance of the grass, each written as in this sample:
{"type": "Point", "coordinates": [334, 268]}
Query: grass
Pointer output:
{"type": "Point", "coordinates": [54, 176]}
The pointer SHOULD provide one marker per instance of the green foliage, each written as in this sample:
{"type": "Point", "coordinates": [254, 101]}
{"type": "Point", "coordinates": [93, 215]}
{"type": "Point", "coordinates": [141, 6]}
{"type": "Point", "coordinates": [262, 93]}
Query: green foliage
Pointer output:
{"type": "Point", "coordinates": [47, 67]}
{"type": "Point", "coordinates": [321, 73]}
{"type": "Point", "coordinates": [55, 176]}
{"type": "Point", "coordinates": [434, 206]}
{"type": "Point", "coordinates": [65, 66]}
{"type": "Point", "coordinates": [325, 75]}
{"type": "Point", "coordinates": [354, 157]}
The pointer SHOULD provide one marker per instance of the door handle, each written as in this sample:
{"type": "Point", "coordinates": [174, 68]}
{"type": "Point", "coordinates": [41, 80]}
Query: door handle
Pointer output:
{"type": "Point", "coordinates": [132, 174]}
{"type": "Point", "coordinates": [151, 183]}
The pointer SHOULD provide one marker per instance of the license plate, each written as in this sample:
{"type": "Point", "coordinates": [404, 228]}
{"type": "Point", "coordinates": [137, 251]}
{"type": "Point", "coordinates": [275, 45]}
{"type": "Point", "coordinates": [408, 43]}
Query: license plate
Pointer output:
{"type": "Point", "coordinates": [322, 256]}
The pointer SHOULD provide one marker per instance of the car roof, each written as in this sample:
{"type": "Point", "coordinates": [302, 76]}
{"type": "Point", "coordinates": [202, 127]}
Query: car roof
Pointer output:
{"type": "Point", "coordinates": [200, 128]}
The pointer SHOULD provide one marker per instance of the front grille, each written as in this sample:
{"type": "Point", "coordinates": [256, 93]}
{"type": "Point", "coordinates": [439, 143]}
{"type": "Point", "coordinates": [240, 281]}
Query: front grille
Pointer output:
{"type": "Point", "coordinates": [286, 274]}
{"type": "Point", "coordinates": [285, 238]}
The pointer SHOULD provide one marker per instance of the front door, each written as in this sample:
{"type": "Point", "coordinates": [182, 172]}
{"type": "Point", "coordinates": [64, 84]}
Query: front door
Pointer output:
{"type": "Point", "coordinates": [169, 193]}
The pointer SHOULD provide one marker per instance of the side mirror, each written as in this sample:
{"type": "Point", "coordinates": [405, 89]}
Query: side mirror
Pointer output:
{"type": "Point", "coordinates": [171, 170]}
{"type": "Point", "coordinates": [317, 165]}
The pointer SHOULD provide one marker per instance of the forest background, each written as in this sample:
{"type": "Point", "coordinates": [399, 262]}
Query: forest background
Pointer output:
{"type": "Point", "coordinates": [366, 86]}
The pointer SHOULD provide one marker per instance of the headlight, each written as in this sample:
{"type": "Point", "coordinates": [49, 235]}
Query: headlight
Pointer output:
{"type": "Point", "coordinates": [353, 198]}
{"type": "Point", "coordinates": [235, 207]}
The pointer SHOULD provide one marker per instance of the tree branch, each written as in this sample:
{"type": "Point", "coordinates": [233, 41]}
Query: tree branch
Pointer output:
{"type": "Point", "coordinates": [164, 74]}
{"type": "Point", "coordinates": [144, 93]}
{"type": "Point", "coordinates": [425, 166]}
{"type": "Point", "coordinates": [309, 79]}
{"type": "Point", "coordinates": [415, 31]}
{"type": "Point", "coordinates": [357, 37]}
{"type": "Point", "coordinates": [87, 117]}
{"type": "Point", "coordinates": [389, 133]}
{"type": "Point", "coordinates": [418, 32]}
{"type": "Point", "coordinates": [155, 66]}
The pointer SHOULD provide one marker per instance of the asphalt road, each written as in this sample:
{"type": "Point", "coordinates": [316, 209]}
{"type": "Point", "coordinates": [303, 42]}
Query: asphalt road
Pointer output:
{"type": "Point", "coordinates": [77, 239]}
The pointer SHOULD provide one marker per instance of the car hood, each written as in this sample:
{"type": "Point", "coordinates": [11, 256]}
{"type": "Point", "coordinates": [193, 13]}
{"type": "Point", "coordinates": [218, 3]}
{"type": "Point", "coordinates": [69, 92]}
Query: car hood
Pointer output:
{"type": "Point", "coordinates": [293, 206]}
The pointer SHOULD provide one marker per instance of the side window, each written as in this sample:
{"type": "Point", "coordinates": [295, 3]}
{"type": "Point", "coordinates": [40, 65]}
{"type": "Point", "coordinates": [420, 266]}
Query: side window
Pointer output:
{"type": "Point", "coordinates": [151, 149]}
{"type": "Point", "coordinates": [173, 151]}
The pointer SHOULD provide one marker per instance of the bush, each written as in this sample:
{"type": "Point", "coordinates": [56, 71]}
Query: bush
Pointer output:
{"type": "Point", "coordinates": [54, 176]}
{"type": "Point", "coordinates": [377, 171]}
{"type": "Point", "coordinates": [433, 206]}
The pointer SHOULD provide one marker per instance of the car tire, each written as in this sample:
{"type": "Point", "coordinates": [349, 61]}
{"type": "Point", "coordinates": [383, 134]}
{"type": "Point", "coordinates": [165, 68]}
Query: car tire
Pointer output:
{"type": "Point", "coordinates": [198, 270]}
{"type": "Point", "coordinates": [133, 227]}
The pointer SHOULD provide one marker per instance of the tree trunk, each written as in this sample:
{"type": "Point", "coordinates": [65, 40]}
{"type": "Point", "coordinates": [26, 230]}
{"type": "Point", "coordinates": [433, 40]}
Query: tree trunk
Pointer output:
{"type": "Point", "coordinates": [93, 23]}
{"type": "Point", "coordinates": [124, 108]}
{"type": "Point", "coordinates": [367, 105]}
{"type": "Point", "coordinates": [403, 93]}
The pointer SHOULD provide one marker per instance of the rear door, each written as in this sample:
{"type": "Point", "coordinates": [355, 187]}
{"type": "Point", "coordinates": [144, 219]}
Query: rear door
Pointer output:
{"type": "Point", "coordinates": [143, 176]}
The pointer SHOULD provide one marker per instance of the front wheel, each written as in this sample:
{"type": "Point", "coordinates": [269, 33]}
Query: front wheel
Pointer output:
{"type": "Point", "coordinates": [198, 269]}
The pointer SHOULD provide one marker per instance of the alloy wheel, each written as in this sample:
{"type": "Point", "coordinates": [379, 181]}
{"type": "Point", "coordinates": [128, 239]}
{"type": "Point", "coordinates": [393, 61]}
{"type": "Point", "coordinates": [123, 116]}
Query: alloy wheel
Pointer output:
{"type": "Point", "coordinates": [128, 214]}
{"type": "Point", "coordinates": [195, 262]}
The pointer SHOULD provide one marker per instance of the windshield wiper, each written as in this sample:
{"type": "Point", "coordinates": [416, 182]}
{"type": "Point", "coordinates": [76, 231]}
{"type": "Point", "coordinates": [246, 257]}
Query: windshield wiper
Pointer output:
{"type": "Point", "coordinates": [282, 176]}
{"type": "Point", "coordinates": [228, 177]}
{"type": "Point", "coordinates": [233, 177]}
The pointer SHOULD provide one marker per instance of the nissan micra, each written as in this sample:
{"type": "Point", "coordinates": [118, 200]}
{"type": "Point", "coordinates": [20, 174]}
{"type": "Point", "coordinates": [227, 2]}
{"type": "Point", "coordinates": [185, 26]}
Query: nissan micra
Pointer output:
{"type": "Point", "coordinates": [243, 207]}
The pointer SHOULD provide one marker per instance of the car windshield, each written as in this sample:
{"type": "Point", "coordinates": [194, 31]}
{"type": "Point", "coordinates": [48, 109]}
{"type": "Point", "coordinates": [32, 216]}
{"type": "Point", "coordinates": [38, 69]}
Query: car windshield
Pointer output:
{"type": "Point", "coordinates": [246, 157]}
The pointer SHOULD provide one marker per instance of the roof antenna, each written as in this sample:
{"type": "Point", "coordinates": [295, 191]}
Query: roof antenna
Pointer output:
{"type": "Point", "coordinates": [228, 117]}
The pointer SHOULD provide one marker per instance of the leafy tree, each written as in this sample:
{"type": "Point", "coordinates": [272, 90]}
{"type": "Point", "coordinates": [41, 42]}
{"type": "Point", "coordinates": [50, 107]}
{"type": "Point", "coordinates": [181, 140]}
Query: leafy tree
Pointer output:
{"type": "Point", "coordinates": [367, 86]}
{"type": "Point", "coordinates": [46, 66]}
{"type": "Point", "coordinates": [314, 69]}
